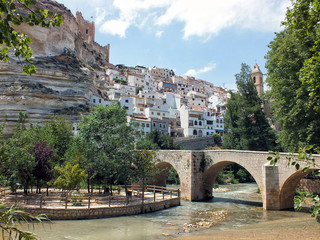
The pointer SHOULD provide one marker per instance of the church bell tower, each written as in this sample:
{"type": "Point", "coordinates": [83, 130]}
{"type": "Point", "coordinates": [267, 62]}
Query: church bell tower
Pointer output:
{"type": "Point", "coordinates": [257, 78]}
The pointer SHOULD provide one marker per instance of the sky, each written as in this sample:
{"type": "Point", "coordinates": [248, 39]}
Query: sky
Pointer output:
{"type": "Point", "coordinates": [206, 39]}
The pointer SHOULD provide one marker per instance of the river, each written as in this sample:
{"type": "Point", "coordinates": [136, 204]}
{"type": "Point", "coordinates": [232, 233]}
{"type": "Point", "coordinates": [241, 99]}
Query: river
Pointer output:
{"type": "Point", "coordinates": [239, 206]}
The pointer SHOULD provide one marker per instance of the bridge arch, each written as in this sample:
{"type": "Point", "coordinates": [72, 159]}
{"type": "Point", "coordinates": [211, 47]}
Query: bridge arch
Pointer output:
{"type": "Point", "coordinates": [213, 171]}
{"type": "Point", "coordinates": [288, 188]}
{"type": "Point", "coordinates": [161, 177]}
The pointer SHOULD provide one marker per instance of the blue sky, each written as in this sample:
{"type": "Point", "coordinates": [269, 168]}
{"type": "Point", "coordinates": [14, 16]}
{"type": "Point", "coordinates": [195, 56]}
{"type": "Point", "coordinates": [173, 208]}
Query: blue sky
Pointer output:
{"type": "Point", "coordinates": [207, 39]}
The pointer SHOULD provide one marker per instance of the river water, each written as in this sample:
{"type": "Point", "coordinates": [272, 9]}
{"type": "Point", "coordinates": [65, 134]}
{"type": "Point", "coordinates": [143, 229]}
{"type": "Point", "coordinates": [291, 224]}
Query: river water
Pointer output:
{"type": "Point", "coordinates": [242, 205]}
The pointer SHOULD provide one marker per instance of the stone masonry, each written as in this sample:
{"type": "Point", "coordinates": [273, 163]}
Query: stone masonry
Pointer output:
{"type": "Point", "coordinates": [198, 170]}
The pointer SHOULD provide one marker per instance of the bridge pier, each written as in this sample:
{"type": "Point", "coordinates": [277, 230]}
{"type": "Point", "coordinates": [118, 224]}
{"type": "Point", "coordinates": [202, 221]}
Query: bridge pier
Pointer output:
{"type": "Point", "coordinates": [271, 189]}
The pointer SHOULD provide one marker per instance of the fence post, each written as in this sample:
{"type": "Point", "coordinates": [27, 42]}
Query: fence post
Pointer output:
{"type": "Point", "coordinates": [109, 200]}
{"type": "Point", "coordinates": [154, 196]}
{"type": "Point", "coordinates": [170, 193]}
{"type": "Point", "coordinates": [178, 193]}
{"type": "Point", "coordinates": [41, 202]}
{"type": "Point", "coordinates": [162, 194]}
{"type": "Point", "coordinates": [66, 203]}
{"type": "Point", "coordinates": [89, 202]}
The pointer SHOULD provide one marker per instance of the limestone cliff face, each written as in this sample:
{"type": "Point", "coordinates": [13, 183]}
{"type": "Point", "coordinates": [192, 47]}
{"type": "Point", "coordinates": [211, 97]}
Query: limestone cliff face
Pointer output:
{"type": "Point", "coordinates": [60, 87]}
{"type": "Point", "coordinates": [63, 82]}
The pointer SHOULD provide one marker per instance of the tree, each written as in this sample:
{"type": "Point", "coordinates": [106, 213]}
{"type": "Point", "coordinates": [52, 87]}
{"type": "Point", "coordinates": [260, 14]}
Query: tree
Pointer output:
{"type": "Point", "coordinates": [246, 124]}
{"type": "Point", "coordinates": [16, 12]}
{"type": "Point", "coordinates": [70, 176]}
{"type": "Point", "coordinates": [154, 140]}
{"type": "Point", "coordinates": [109, 144]}
{"type": "Point", "coordinates": [11, 219]}
{"type": "Point", "coordinates": [145, 167]}
{"type": "Point", "coordinates": [18, 158]}
{"type": "Point", "coordinates": [293, 77]}
{"type": "Point", "coordinates": [44, 156]}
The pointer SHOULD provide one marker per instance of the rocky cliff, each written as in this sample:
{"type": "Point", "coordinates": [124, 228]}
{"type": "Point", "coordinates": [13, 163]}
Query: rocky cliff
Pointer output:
{"type": "Point", "coordinates": [67, 63]}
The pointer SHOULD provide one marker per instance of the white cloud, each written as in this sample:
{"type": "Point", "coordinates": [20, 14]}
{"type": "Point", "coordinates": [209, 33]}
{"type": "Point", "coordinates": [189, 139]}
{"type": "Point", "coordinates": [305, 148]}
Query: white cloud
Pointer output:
{"type": "Point", "coordinates": [196, 73]}
{"type": "Point", "coordinates": [211, 16]}
{"type": "Point", "coordinates": [203, 18]}
{"type": "Point", "coordinates": [159, 34]}
{"type": "Point", "coordinates": [115, 27]}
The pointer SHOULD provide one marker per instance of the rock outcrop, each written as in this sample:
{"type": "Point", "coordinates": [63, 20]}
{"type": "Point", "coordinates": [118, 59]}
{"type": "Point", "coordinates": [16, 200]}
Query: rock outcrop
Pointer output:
{"type": "Point", "coordinates": [67, 63]}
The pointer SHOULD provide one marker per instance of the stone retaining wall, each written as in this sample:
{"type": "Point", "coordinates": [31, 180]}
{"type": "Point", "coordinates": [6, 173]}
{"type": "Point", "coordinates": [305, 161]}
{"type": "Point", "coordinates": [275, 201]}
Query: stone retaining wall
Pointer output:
{"type": "Point", "coordinates": [85, 213]}
{"type": "Point", "coordinates": [309, 185]}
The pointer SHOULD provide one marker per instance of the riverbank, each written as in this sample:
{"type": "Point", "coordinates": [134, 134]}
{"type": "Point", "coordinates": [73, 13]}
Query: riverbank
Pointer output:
{"type": "Point", "coordinates": [285, 229]}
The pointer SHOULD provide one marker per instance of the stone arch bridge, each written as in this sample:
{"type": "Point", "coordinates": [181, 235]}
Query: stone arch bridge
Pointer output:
{"type": "Point", "coordinates": [198, 170]}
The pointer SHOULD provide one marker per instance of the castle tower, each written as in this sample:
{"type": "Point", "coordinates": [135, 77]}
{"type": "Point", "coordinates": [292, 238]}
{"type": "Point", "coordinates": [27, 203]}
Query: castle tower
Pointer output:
{"type": "Point", "coordinates": [257, 78]}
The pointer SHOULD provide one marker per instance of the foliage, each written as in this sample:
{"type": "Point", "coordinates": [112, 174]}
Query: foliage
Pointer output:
{"type": "Point", "coordinates": [44, 155]}
{"type": "Point", "coordinates": [70, 176]}
{"type": "Point", "coordinates": [18, 161]}
{"type": "Point", "coordinates": [11, 219]}
{"type": "Point", "coordinates": [109, 145]}
{"type": "Point", "coordinates": [293, 76]}
{"type": "Point", "coordinates": [217, 139]}
{"type": "Point", "coordinates": [154, 140]}
{"type": "Point", "coordinates": [10, 12]}
{"type": "Point", "coordinates": [246, 124]}
{"type": "Point", "coordinates": [302, 159]}
{"type": "Point", "coordinates": [173, 177]}
{"type": "Point", "coordinates": [145, 167]}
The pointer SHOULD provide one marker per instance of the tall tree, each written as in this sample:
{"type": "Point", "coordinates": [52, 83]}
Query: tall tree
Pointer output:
{"type": "Point", "coordinates": [109, 144]}
{"type": "Point", "coordinates": [10, 13]}
{"type": "Point", "coordinates": [246, 124]}
{"type": "Point", "coordinates": [293, 76]}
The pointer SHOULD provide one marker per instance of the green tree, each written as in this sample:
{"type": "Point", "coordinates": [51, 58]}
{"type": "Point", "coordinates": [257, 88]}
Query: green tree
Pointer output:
{"type": "Point", "coordinates": [145, 168]}
{"type": "Point", "coordinates": [246, 124]}
{"type": "Point", "coordinates": [18, 161]}
{"type": "Point", "coordinates": [154, 140]}
{"type": "Point", "coordinates": [109, 145]}
{"type": "Point", "coordinates": [70, 176]}
{"type": "Point", "coordinates": [16, 12]}
{"type": "Point", "coordinates": [293, 77]}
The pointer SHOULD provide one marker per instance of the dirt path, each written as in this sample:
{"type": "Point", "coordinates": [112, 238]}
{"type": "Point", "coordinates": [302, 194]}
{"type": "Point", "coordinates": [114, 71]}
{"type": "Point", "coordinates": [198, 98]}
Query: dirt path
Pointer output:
{"type": "Point", "coordinates": [292, 229]}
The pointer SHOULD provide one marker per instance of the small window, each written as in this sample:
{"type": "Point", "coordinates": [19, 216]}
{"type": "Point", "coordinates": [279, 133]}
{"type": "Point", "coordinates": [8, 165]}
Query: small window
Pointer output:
{"type": "Point", "coordinates": [163, 114]}
{"type": "Point", "coordinates": [148, 125]}
{"type": "Point", "coordinates": [158, 114]}
{"type": "Point", "coordinates": [152, 113]}
{"type": "Point", "coordinates": [195, 122]}
{"type": "Point", "coordinates": [142, 124]}
{"type": "Point", "coordinates": [94, 101]}
{"type": "Point", "coordinates": [99, 100]}
{"type": "Point", "coordinates": [87, 31]}
{"type": "Point", "coordinates": [154, 124]}
{"type": "Point", "coordinates": [195, 133]}
{"type": "Point", "coordinates": [126, 100]}
{"type": "Point", "coordinates": [164, 126]}
{"type": "Point", "coordinates": [200, 123]}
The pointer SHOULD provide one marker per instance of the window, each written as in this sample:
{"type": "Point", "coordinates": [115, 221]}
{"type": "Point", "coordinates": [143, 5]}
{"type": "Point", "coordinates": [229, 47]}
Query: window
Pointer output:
{"type": "Point", "coordinates": [190, 123]}
{"type": "Point", "coordinates": [195, 123]}
{"type": "Point", "coordinates": [143, 125]}
{"type": "Point", "coordinates": [254, 79]}
{"type": "Point", "coordinates": [160, 125]}
{"type": "Point", "coordinates": [148, 125]}
{"type": "Point", "coordinates": [200, 123]}
{"type": "Point", "coordinates": [217, 120]}
{"type": "Point", "coordinates": [163, 114]}
{"type": "Point", "coordinates": [99, 100]}
{"type": "Point", "coordinates": [87, 31]}
{"type": "Point", "coordinates": [195, 133]}
{"type": "Point", "coordinates": [141, 109]}
{"type": "Point", "coordinates": [94, 101]}
{"type": "Point", "coordinates": [126, 100]}
{"type": "Point", "coordinates": [158, 114]}
{"type": "Point", "coordinates": [152, 113]}
{"type": "Point", "coordinates": [154, 124]}
{"type": "Point", "coordinates": [164, 126]}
